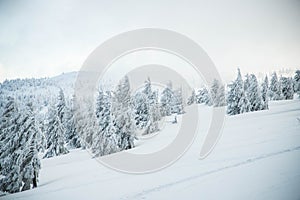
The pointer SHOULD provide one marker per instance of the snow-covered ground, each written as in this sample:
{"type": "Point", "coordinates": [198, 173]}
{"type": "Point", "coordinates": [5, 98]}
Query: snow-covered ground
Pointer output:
{"type": "Point", "coordinates": [257, 157]}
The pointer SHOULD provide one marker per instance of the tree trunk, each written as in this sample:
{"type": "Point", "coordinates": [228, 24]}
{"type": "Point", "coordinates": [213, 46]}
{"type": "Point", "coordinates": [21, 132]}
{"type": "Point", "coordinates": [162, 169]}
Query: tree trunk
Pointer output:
{"type": "Point", "coordinates": [34, 180]}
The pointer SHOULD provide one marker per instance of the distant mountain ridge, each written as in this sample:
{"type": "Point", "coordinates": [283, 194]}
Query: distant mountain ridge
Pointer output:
{"type": "Point", "coordinates": [39, 91]}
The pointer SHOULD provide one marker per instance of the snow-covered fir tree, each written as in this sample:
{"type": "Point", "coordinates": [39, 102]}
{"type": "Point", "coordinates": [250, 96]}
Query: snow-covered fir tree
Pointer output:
{"type": "Point", "coordinates": [153, 108]}
{"type": "Point", "coordinates": [61, 107]}
{"type": "Point", "coordinates": [89, 123]}
{"type": "Point", "coordinates": [146, 108]}
{"type": "Point", "coordinates": [274, 89]}
{"type": "Point", "coordinates": [287, 88]}
{"type": "Point", "coordinates": [72, 137]}
{"type": "Point", "coordinates": [214, 90]}
{"type": "Point", "coordinates": [221, 99]}
{"type": "Point", "coordinates": [264, 94]}
{"type": "Point", "coordinates": [203, 96]}
{"type": "Point", "coordinates": [11, 155]}
{"type": "Point", "coordinates": [253, 94]}
{"type": "Point", "coordinates": [166, 100]}
{"type": "Point", "coordinates": [123, 115]}
{"type": "Point", "coordinates": [247, 83]}
{"type": "Point", "coordinates": [31, 164]}
{"type": "Point", "coordinates": [8, 122]}
{"type": "Point", "coordinates": [244, 104]}
{"type": "Point", "coordinates": [177, 104]}
{"type": "Point", "coordinates": [141, 109]}
{"type": "Point", "coordinates": [235, 95]}
{"type": "Point", "coordinates": [217, 92]}
{"type": "Point", "coordinates": [105, 139]}
{"type": "Point", "coordinates": [80, 120]}
{"type": "Point", "coordinates": [56, 130]}
{"type": "Point", "coordinates": [155, 115]}
{"type": "Point", "coordinates": [192, 99]}
{"type": "Point", "coordinates": [20, 140]}
{"type": "Point", "coordinates": [297, 82]}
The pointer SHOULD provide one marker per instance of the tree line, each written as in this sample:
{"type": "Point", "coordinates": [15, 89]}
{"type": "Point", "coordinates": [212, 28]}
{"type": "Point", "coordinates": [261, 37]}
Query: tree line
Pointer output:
{"type": "Point", "coordinates": [109, 128]}
{"type": "Point", "coordinates": [247, 95]}
{"type": "Point", "coordinates": [111, 125]}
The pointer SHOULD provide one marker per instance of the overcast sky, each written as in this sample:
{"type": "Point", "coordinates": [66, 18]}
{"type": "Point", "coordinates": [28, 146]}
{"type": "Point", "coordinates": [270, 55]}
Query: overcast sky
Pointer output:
{"type": "Point", "coordinates": [46, 38]}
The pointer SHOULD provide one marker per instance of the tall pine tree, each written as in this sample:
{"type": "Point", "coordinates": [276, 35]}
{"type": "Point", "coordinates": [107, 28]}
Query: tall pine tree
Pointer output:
{"type": "Point", "coordinates": [11, 144]}
{"type": "Point", "coordinates": [274, 89]}
{"type": "Point", "coordinates": [217, 93]}
{"type": "Point", "coordinates": [253, 94]}
{"type": "Point", "coordinates": [56, 129]}
{"type": "Point", "coordinates": [192, 99]}
{"type": "Point", "coordinates": [72, 137]}
{"type": "Point", "coordinates": [123, 115]}
{"type": "Point", "coordinates": [166, 100]}
{"type": "Point", "coordinates": [20, 140]}
{"type": "Point", "coordinates": [105, 140]}
{"type": "Point", "coordinates": [31, 164]}
{"type": "Point", "coordinates": [287, 88]}
{"type": "Point", "coordinates": [235, 95]}
{"type": "Point", "coordinates": [297, 82]}
{"type": "Point", "coordinates": [203, 96]}
{"type": "Point", "coordinates": [264, 94]}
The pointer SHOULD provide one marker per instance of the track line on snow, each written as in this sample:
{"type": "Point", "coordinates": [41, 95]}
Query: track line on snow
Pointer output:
{"type": "Point", "coordinates": [248, 161]}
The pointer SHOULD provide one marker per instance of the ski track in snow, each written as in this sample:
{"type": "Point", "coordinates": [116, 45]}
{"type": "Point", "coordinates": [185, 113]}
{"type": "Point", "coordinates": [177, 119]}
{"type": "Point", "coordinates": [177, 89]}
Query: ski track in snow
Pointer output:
{"type": "Point", "coordinates": [245, 162]}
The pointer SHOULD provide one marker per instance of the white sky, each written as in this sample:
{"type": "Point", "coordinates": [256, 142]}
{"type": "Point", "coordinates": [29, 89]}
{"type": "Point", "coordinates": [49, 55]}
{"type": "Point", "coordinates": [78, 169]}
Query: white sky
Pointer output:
{"type": "Point", "coordinates": [46, 38]}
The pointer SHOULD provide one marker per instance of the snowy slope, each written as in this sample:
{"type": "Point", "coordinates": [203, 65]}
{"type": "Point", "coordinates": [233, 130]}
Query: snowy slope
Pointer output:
{"type": "Point", "coordinates": [257, 157]}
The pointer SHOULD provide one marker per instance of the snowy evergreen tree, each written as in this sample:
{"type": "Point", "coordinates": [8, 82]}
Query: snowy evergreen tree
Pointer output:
{"type": "Point", "coordinates": [235, 95]}
{"type": "Point", "coordinates": [104, 140]}
{"type": "Point", "coordinates": [56, 130]}
{"type": "Point", "coordinates": [247, 84]}
{"type": "Point", "coordinates": [147, 111]}
{"type": "Point", "coordinates": [8, 123]}
{"type": "Point", "coordinates": [123, 115]}
{"type": "Point", "coordinates": [287, 88]}
{"type": "Point", "coordinates": [61, 107]}
{"type": "Point", "coordinates": [154, 113]}
{"type": "Point", "coordinates": [214, 89]}
{"type": "Point", "coordinates": [31, 164]}
{"type": "Point", "coordinates": [89, 125]}
{"type": "Point", "coordinates": [220, 98]}
{"type": "Point", "coordinates": [11, 154]}
{"type": "Point", "coordinates": [244, 104]}
{"type": "Point", "coordinates": [12, 181]}
{"type": "Point", "coordinates": [274, 89]}
{"type": "Point", "coordinates": [80, 120]}
{"type": "Point", "coordinates": [297, 82]}
{"type": "Point", "coordinates": [217, 92]}
{"type": "Point", "coordinates": [166, 100]}
{"type": "Point", "coordinates": [253, 94]}
{"type": "Point", "coordinates": [264, 94]}
{"type": "Point", "coordinates": [297, 76]}
{"type": "Point", "coordinates": [20, 140]}
{"type": "Point", "coordinates": [141, 109]}
{"type": "Point", "coordinates": [177, 102]}
{"type": "Point", "coordinates": [72, 137]}
{"type": "Point", "coordinates": [203, 96]}
{"type": "Point", "coordinates": [192, 99]}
